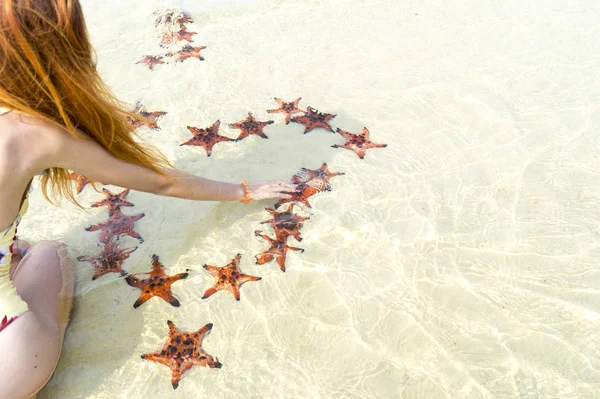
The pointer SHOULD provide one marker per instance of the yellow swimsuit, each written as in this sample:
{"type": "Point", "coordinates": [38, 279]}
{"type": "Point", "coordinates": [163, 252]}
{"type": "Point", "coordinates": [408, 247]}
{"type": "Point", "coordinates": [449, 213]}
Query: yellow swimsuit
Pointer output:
{"type": "Point", "coordinates": [11, 304]}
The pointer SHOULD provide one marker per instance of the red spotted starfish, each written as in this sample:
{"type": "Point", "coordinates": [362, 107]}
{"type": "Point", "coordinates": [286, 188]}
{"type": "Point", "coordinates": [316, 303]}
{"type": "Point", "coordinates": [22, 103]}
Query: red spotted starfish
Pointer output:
{"type": "Point", "coordinates": [287, 108]}
{"type": "Point", "coordinates": [286, 223]}
{"type": "Point", "coordinates": [314, 119]}
{"type": "Point", "coordinates": [304, 191]}
{"type": "Point", "coordinates": [206, 138]}
{"type": "Point", "coordinates": [277, 250]}
{"type": "Point", "coordinates": [250, 126]}
{"type": "Point", "coordinates": [149, 118]}
{"type": "Point", "coordinates": [116, 225]}
{"type": "Point", "coordinates": [113, 201]}
{"type": "Point", "coordinates": [357, 142]}
{"type": "Point", "coordinates": [323, 173]}
{"type": "Point", "coordinates": [186, 52]}
{"type": "Point", "coordinates": [151, 60]}
{"type": "Point", "coordinates": [158, 284]}
{"type": "Point", "coordinates": [228, 277]}
{"type": "Point", "coordinates": [109, 260]}
{"type": "Point", "coordinates": [184, 34]}
{"type": "Point", "coordinates": [81, 180]}
{"type": "Point", "coordinates": [182, 351]}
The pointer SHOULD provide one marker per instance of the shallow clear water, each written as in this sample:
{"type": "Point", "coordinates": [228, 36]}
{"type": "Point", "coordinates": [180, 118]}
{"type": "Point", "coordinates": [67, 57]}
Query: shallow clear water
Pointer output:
{"type": "Point", "coordinates": [461, 261]}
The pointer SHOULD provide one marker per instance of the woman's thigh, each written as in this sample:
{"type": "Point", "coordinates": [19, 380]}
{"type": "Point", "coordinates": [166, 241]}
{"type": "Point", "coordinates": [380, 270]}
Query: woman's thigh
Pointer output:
{"type": "Point", "coordinates": [30, 346]}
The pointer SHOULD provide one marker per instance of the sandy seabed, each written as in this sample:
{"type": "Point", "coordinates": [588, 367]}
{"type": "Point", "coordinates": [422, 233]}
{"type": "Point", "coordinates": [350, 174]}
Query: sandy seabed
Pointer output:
{"type": "Point", "coordinates": [462, 261]}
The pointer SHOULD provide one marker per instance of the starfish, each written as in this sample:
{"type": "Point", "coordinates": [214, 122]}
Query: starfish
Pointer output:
{"type": "Point", "coordinates": [357, 142]}
{"type": "Point", "coordinates": [286, 223]}
{"type": "Point", "coordinates": [314, 119]}
{"type": "Point", "coordinates": [113, 201]}
{"type": "Point", "coordinates": [109, 260]}
{"type": "Point", "coordinates": [304, 191]}
{"type": "Point", "coordinates": [150, 117]}
{"type": "Point", "coordinates": [206, 138]}
{"type": "Point", "coordinates": [81, 180]}
{"type": "Point", "coordinates": [182, 351]}
{"type": "Point", "coordinates": [151, 60]}
{"type": "Point", "coordinates": [184, 18]}
{"type": "Point", "coordinates": [250, 126]}
{"type": "Point", "coordinates": [158, 284]}
{"type": "Point", "coordinates": [116, 225]}
{"type": "Point", "coordinates": [287, 108]}
{"type": "Point", "coordinates": [277, 250]}
{"type": "Point", "coordinates": [228, 277]}
{"type": "Point", "coordinates": [187, 51]}
{"type": "Point", "coordinates": [323, 173]}
{"type": "Point", "coordinates": [184, 34]}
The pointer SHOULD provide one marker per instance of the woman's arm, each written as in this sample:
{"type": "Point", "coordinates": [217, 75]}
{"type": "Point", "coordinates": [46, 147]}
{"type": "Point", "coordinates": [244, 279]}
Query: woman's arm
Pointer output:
{"type": "Point", "coordinates": [91, 160]}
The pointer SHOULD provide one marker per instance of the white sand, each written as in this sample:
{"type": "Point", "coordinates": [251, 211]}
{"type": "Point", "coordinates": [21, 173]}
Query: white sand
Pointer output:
{"type": "Point", "coordinates": [461, 261]}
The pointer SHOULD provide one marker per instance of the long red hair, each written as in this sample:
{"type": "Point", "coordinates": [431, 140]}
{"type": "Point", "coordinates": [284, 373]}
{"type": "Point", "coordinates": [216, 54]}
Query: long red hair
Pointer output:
{"type": "Point", "coordinates": [48, 70]}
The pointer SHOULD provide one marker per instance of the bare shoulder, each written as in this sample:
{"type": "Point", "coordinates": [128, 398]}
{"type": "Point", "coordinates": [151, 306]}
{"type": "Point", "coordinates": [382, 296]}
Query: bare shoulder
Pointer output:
{"type": "Point", "coordinates": [28, 143]}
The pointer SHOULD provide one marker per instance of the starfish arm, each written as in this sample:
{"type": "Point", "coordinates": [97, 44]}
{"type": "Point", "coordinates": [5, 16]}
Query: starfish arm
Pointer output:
{"type": "Point", "coordinates": [281, 262]}
{"type": "Point", "coordinates": [268, 221]}
{"type": "Point", "coordinates": [235, 291]}
{"type": "Point", "coordinates": [295, 249]}
{"type": "Point", "coordinates": [168, 297]}
{"type": "Point", "coordinates": [156, 357]}
{"type": "Point", "coordinates": [297, 236]}
{"type": "Point", "coordinates": [344, 134]}
{"type": "Point", "coordinates": [263, 258]}
{"type": "Point", "coordinates": [237, 125]}
{"type": "Point", "coordinates": [179, 276]}
{"type": "Point", "coordinates": [141, 300]}
{"type": "Point", "coordinates": [258, 233]}
{"type": "Point", "coordinates": [135, 235]}
{"type": "Point", "coordinates": [209, 292]}
{"type": "Point", "coordinates": [279, 101]}
{"type": "Point", "coordinates": [244, 278]}
{"type": "Point", "coordinates": [95, 227]}
{"type": "Point", "coordinates": [223, 138]}
{"type": "Point", "coordinates": [236, 260]}
{"type": "Point", "coordinates": [191, 141]}
{"type": "Point", "coordinates": [175, 378]}
{"type": "Point", "coordinates": [364, 133]}
{"type": "Point", "coordinates": [137, 217]}
{"type": "Point", "coordinates": [172, 328]}
{"type": "Point", "coordinates": [374, 145]}
{"type": "Point", "coordinates": [199, 335]}
{"type": "Point", "coordinates": [215, 126]}
{"type": "Point", "coordinates": [133, 281]}
{"type": "Point", "coordinates": [212, 269]}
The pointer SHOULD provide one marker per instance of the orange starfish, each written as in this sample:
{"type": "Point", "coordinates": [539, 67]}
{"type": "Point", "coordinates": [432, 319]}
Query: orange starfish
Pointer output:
{"type": "Point", "coordinates": [357, 142]}
{"type": "Point", "coordinates": [109, 260]}
{"type": "Point", "coordinates": [277, 250]}
{"type": "Point", "coordinates": [228, 277]}
{"type": "Point", "coordinates": [323, 173]}
{"type": "Point", "coordinates": [187, 51]}
{"type": "Point", "coordinates": [287, 108]}
{"type": "Point", "coordinates": [184, 34]}
{"type": "Point", "coordinates": [113, 201]}
{"type": "Point", "coordinates": [182, 351]}
{"type": "Point", "coordinates": [116, 225]}
{"type": "Point", "coordinates": [81, 180]}
{"type": "Point", "coordinates": [158, 284]}
{"type": "Point", "coordinates": [250, 126]}
{"type": "Point", "coordinates": [148, 118]}
{"type": "Point", "coordinates": [151, 60]}
{"type": "Point", "coordinates": [286, 223]}
{"type": "Point", "coordinates": [304, 191]}
{"type": "Point", "coordinates": [314, 119]}
{"type": "Point", "coordinates": [206, 138]}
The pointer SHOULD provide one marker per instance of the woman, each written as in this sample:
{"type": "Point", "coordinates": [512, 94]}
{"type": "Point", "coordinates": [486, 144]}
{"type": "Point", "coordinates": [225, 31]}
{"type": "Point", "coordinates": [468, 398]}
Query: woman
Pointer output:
{"type": "Point", "coordinates": [56, 115]}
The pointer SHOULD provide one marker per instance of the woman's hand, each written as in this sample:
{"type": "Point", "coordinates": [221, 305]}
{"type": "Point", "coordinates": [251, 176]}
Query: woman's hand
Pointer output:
{"type": "Point", "coordinates": [272, 189]}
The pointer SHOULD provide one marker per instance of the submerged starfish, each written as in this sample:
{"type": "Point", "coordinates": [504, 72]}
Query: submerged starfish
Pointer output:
{"type": "Point", "coordinates": [314, 119]}
{"type": "Point", "coordinates": [286, 223]}
{"type": "Point", "coordinates": [206, 138]}
{"type": "Point", "coordinates": [182, 351]}
{"type": "Point", "coordinates": [184, 34]}
{"type": "Point", "coordinates": [323, 173]}
{"type": "Point", "coordinates": [228, 278]}
{"type": "Point", "coordinates": [81, 180]}
{"type": "Point", "coordinates": [184, 18]}
{"type": "Point", "coordinates": [151, 60]}
{"type": "Point", "coordinates": [357, 142]}
{"type": "Point", "coordinates": [277, 250]}
{"type": "Point", "coordinates": [158, 284]}
{"type": "Point", "coordinates": [113, 201]}
{"type": "Point", "coordinates": [109, 260]}
{"type": "Point", "coordinates": [304, 191]}
{"type": "Point", "coordinates": [116, 225]}
{"type": "Point", "coordinates": [250, 126]}
{"type": "Point", "coordinates": [187, 51]}
{"type": "Point", "coordinates": [150, 117]}
{"type": "Point", "coordinates": [287, 108]}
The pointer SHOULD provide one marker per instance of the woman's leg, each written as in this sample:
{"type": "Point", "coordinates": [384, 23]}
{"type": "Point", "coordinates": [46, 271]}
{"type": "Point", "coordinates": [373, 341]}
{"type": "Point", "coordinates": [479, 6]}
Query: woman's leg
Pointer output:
{"type": "Point", "coordinates": [30, 346]}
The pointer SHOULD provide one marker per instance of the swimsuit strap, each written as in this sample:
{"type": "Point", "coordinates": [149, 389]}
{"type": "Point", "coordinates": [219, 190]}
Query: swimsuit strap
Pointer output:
{"type": "Point", "coordinates": [4, 111]}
